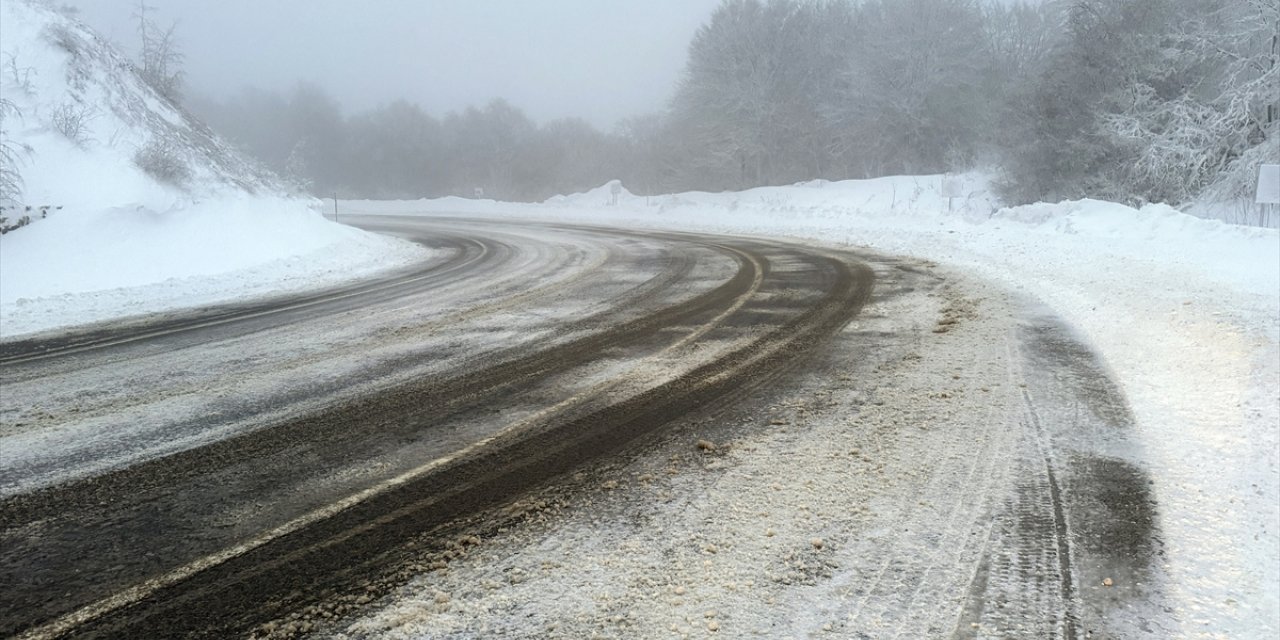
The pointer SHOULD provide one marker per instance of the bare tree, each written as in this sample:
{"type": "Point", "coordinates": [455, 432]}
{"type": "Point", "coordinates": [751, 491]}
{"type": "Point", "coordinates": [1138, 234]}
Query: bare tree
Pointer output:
{"type": "Point", "coordinates": [736, 94]}
{"type": "Point", "coordinates": [161, 59]}
{"type": "Point", "coordinates": [913, 94]}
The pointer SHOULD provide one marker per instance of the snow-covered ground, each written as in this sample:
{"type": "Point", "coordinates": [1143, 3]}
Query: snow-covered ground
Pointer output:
{"type": "Point", "coordinates": [95, 265]}
{"type": "Point", "coordinates": [1185, 312]}
{"type": "Point", "coordinates": [202, 226]}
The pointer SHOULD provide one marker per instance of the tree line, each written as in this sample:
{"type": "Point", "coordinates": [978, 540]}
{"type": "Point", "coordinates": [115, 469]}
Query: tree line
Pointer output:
{"type": "Point", "coordinates": [1132, 100]}
{"type": "Point", "coordinates": [400, 151]}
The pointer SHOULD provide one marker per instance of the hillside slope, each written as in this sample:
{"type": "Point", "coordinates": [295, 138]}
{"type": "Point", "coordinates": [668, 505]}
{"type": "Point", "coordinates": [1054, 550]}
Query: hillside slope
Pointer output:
{"type": "Point", "coordinates": [147, 208]}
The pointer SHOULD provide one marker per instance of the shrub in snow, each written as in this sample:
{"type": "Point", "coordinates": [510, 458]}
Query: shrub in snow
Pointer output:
{"type": "Point", "coordinates": [19, 76]}
{"type": "Point", "coordinates": [10, 177]}
{"type": "Point", "coordinates": [5, 227]}
{"type": "Point", "coordinates": [160, 159]}
{"type": "Point", "coordinates": [161, 61]}
{"type": "Point", "coordinates": [72, 121]}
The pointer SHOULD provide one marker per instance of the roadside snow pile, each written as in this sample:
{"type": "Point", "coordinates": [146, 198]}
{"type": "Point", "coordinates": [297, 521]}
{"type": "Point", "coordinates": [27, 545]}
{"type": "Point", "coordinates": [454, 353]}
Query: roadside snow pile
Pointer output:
{"type": "Point", "coordinates": [104, 264]}
{"type": "Point", "coordinates": [1185, 311]}
{"type": "Point", "coordinates": [138, 194]}
{"type": "Point", "coordinates": [879, 197]}
{"type": "Point", "coordinates": [1152, 223]}
{"type": "Point", "coordinates": [1244, 257]}
{"type": "Point", "coordinates": [201, 240]}
{"type": "Point", "coordinates": [603, 195]}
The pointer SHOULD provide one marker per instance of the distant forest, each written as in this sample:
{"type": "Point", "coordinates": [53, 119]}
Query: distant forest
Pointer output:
{"type": "Point", "coordinates": [1130, 100]}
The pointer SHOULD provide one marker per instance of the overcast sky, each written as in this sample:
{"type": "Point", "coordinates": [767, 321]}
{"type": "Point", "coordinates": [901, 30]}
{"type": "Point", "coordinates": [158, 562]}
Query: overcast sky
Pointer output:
{"type": "Point", "coordinates": [602, 60]}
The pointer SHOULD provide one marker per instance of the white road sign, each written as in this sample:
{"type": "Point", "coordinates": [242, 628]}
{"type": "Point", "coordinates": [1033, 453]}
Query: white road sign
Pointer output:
{"type": "Point", "coordinates": [952, 187]}
{"type": "Point", "coordinates": [1269, 184]}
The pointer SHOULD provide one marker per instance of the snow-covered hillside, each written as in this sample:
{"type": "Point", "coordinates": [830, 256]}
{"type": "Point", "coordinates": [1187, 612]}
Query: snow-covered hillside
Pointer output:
{"type": "Point", "coordinates": [147, 209]}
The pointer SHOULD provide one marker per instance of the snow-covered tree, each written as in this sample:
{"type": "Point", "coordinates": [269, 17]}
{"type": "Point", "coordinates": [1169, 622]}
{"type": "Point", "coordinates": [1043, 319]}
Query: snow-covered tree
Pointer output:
{"type": "Point", "coordinates": [1224, 106]}
{"type": "Point", "coordinates": [1148, 100]}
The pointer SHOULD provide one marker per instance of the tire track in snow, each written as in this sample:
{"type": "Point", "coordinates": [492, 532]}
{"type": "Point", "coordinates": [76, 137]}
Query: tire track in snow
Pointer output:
{"type": "Point", "coordinates": [552, 446]}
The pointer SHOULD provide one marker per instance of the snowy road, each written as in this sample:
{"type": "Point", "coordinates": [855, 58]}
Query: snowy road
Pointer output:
{"type": "Point", "coordinates": [245, 459]}
{"type": "Point", "coordinates": [950, 461]}
{"type": "Point", "coordinates": [954, 463]}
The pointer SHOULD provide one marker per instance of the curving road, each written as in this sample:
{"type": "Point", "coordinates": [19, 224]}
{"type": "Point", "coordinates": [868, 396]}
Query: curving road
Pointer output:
{"type": "Point", "coordinates": [203, 473]}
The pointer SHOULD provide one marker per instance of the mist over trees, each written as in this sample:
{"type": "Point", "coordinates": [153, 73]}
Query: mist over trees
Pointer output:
{"type": "Point", "coordinates": [1132, 100]}
{"type": "Point", "coordinates": [400, 151]}
{"type": "Point", "coordinates": [779, 92]}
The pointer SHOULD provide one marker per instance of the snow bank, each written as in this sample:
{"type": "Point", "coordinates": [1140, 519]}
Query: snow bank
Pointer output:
{"type": "Point", "coordinates": [93, 250]}
{"type": "Point", "coordinates": [1242, 256]}
{"type": "Point", "coordinates": [602, 195]}
{"type": "Point", "coordinates": [910, 215]}
{"type": "Point", "coordinates": [101, 265]}
{"type": "Point", "coordinates": [121, 240]}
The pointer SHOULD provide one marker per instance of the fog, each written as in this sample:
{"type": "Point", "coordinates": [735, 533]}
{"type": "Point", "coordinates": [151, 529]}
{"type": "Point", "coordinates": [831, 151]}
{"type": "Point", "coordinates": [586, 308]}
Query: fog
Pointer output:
{"type": "Point", "coordinates": [1129, 100]}
{"type": "Point", "coordinates": [601, 61]}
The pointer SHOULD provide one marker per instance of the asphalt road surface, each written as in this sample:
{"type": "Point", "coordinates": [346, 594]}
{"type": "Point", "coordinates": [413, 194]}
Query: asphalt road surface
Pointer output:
{"type": "Point", "coordinates": [275, 467]}
{"type": "Point", "coordinates": [199, 474]}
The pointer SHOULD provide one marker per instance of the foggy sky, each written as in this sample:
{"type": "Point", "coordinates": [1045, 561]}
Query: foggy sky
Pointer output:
{"type": "Point", "coordinates": [553, 58]}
